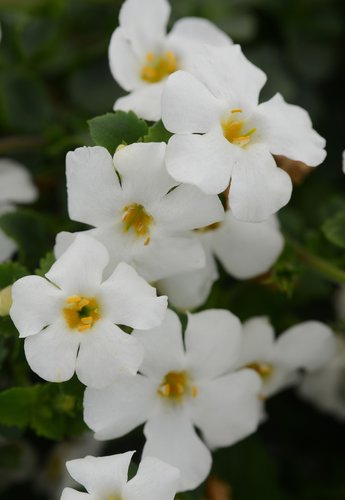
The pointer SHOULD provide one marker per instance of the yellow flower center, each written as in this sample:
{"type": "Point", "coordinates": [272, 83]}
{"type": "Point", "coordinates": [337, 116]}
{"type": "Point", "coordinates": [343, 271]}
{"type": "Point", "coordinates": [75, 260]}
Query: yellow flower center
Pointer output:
{"type": "Point", "coordinates": [136, 218]}
{"type": "Point", "coordinates": [234, 129]}
{"type": "Point", "coordinates": [81, 313]}
{"type": "Point", "coordinates": [265, 370]}
{"type": "Point", "coordinates": [210, 227]}
{"type": "Point", "coordinates": [176, 385]}
{"type": "Point", "coordinates": [158, 67]}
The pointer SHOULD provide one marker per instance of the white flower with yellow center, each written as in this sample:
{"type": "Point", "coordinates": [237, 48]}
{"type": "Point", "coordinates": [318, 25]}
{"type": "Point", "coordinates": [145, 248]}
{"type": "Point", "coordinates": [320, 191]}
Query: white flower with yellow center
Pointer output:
{"type": "Point", "coordinates": [15, 187]}
{"type": "Point", "coordinates": [182, 384]}
{"type": "Point", "coordinates": [105, 478]}
{"type": "Point", "coordinates": [143, 218]}
{"type": "Point", "coordinates": [245, 250]}
{"type": "Point", "coordinates": [142, 55]}
{"type": "Point", "coordinates": [306, 346]}
{"type": "Point", "coordinates": [69, 320]}
{"type": "Point", "coordinates": [222, 133]}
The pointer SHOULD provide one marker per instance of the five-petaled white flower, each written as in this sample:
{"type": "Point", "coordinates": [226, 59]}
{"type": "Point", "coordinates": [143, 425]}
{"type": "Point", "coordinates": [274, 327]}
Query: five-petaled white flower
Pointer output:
{"type": "Point", "coordinates": [105, 478]}
{"type": "Point", "coordinates": [245, 250]}
{"type": "Point", "coordinates": [15, 187]}
{"type": "Point", "coordinates": [140, 218]}
{"type": "Point", "coordinates": [181, 387]}
{"type": "Point", "coordinates": [142, 55]}
{"type": "Point", "coordinates": [306, 346]}
{"type": "Point", "coordinates": [222, 133]}
{"type": "Point", "coordinates": [70, 319]}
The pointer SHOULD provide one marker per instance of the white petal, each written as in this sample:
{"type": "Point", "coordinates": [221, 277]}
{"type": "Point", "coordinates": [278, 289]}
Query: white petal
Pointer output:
{"type": "Point", "coordinates": [246, 249]}
{"type": "Point", "coordinates": [163, 347]}
{"type": "Point", "coordinates": [115, 410]}
{"type": "Point", "coordinates": [144, 177]}
{"type": "Point", "coordinates": [287, 130]}
{"type": "Point", "coordinates": [15, 183]}
{"type": "Point", "coordinates": [167, 256]}
{"type": "Point", "coordinates": [79, 269]}
{"type": "Point", "coordinates": [188, 106]}
{"type": "Point", "coordinates": [203, 160]}
{"type": "Point", "coordinates": [106, 352]}
{"type": "Point", "coordinates": [71, 494]}
{"type": "Point", "coordinates": [280, 379]}
{"type": "Point", "coordinates": [187, 207]}
{"type": "Point", "coordinates": [101, 476]}
{"type": "Point", "coordinates": [130, 301]}
{"type": "Point", "coordinates": [172, 438]}
{"type": "Point", "coordinates": [62, 241]}
{"type": "Point", "coordinates": [124, 63]}
{"type": "Point", "coordinates": [228, 408]}
{"type": "Point", "coordinates": [155, 480]}
{"type": "Point", "coordinates": [52, 353]}
{"type": "Point", "coordinates": [308, 345]}
{"type": "Point", "coordinates": [199, 30]}
{"type": "Point", "coordinates": [7, 247]}
{"type": "Point", "coordinates": [36, 303]}
{"type": "Point", "coordinates": [190, 290]}
{"type": "Point", "coordinates": [213, 342]}
{"type": "Point", "coordinates": [258, 187]}
{"type": "Point", "coordinates": [257, 342]}
{"type": "Point", "coordinates": [145, 101]}
{"type": "Point", "coordinates": [144, 23]}
{"type": "Point", "coordinates": [94, 192]}
{"type": "Point", "coordinates": [228, 74]}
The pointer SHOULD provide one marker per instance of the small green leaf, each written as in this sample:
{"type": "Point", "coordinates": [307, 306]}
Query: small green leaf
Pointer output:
{"type": "Point", "coordinates": [11, 272]}
{"type": "Point", "coordinates": [157, 133]}
{"type": "Point", "coordinates": [112, 129]}
{"type": "Point", "coordinates": [45, 264]}
{"type": "Point", "coordinates": [17, 404]}
{"type": "Point", "coordinates": [334, 229]}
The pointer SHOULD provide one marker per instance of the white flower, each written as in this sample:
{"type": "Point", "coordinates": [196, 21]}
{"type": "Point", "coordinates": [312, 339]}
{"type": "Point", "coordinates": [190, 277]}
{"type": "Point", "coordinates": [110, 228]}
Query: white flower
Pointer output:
{"type": "Point", "coordinates": [181, 387]}
{"type": "Point", "coordinates": [325, 387]}
{"type": "Point", "coordinates": [245, 250]}
{"type": "Point", "coordinates": [305, 346]}
{"type": "Point", "coordinates": [222, 132]}
{"type": "Point", "coordinates": [15, 187]}
{"type": "Point", "coordinates": [142, 220]}
{"type": "Point", "coordinates": [105, 478]}
{"type": "Point", "coordinates": [142, 55]}
{"type": "Point", "coordinates": [70, 319]}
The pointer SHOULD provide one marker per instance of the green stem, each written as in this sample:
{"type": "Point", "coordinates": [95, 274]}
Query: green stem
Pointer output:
{"type": "Point", "coordinates": [318, 264]}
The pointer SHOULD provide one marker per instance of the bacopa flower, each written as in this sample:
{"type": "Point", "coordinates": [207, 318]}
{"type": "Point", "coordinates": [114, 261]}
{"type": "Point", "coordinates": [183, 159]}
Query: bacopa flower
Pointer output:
{"type": "Point", "coordinates": [181, 387]}
{"type": "Point", "coordinates": [306, 346]}
{"type": "Point", "coordinates": [142, 55]}
{"type": "Point", "coordinates": [141, 220]}
{"type": "Point", "coordinates": [222, 133]}
{"type": "Point", "coordinates": [106, 478]}
{"type": "Point", "coordinates": [69, 320]}
{"type": "Point", "coordinates": [245, 250]}
{"type": "Point", "coordinates": [15, 187]}
{"type": "Point", "coordinates": [325, 387]}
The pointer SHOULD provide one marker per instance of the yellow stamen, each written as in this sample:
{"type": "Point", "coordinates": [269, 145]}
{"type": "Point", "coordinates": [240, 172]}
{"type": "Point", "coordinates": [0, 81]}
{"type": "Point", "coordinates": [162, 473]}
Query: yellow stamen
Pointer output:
{"type": "Point", "coordinates": [265, 370]}
{"type": "Point", "coordinates": [136, 218]}
{"type": "Point", "coordinates": [81, 313]}
{"type": "Point", "coordinates": [176, 385]}
{"type": "Point", "coordinates": [236, 110]}
{"type": "Point", "coordinates": [158, 67]}
{"type": "Point", "coordinates": [194, 391]}
{"type": "Point", "coordinates": [233, 130]}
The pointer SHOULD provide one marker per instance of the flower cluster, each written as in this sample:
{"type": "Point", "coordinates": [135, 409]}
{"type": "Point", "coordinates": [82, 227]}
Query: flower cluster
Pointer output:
{"type": "Point", "coordinates": [162, 217]}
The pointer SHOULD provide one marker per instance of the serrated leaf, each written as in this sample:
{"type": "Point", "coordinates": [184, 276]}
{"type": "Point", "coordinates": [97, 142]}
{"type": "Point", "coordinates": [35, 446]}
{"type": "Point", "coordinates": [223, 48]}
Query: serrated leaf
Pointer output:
{"type": "Point", "coordinates": [157, 133]}
{"type": "Point", "coordinates": [112, 129]}
{"type": "Point", "coordinates": [11, 272]}
{"type": "Point", "coordinates": [45, 264]}
{"type": "Point", "coordinates": [334, 229]}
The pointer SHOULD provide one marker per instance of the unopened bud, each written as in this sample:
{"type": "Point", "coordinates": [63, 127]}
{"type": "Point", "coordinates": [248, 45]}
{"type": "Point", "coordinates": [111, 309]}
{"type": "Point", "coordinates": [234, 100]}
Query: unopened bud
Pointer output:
{"type": "Point", "coordinates": [5, 300]}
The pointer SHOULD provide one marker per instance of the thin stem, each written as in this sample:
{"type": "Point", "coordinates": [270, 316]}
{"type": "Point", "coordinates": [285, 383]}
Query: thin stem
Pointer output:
{"type": "Point", "coordinates": [318, 264]}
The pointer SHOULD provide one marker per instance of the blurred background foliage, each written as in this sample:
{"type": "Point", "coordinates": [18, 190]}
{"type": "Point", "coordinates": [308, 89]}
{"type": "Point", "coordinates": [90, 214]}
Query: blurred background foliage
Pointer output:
{"type": "Point", "coordinates": [54, 77]}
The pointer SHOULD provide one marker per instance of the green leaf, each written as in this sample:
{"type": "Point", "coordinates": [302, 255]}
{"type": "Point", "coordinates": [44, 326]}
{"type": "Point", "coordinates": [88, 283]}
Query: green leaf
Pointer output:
{"type": "Point", "coordinates": [11, 272]}
{"type": "Point", "coordinates": [32, 233]}
{"type": "Point", "coordinates": [157, 133]}
{"type": "Point", "coordinates": [45, 264]}
{"type": "Point", "coordinates": [17, 405]}
{"type": "Point", "coordinates": [112, 129]}
{"type": "Point", "coordinates": [334, 229]}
